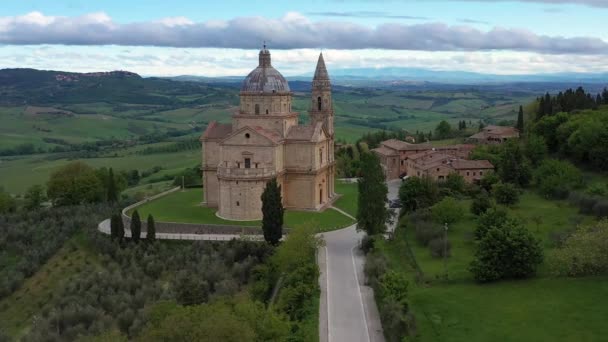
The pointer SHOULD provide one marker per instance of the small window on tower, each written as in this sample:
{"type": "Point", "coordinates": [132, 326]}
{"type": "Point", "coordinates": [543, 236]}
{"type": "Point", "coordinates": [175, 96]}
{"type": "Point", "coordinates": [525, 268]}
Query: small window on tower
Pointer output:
{"type": "Point", "coordinates": [248, 163]}
{"type": "Point", "coordinates": [319, 102]}
{"type": "Point", "coordinates": [266, 111]}
{"type": "Point", "coordinates": [257, 109]}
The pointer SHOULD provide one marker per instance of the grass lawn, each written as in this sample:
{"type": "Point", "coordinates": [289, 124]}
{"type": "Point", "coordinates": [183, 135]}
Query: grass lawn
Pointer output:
{"type": "Point", "coordinates": [544, 308]}
{"type": "Point", "coordinates": [349, 198]}
{"type": "Point", "coordinates": [184, 206]}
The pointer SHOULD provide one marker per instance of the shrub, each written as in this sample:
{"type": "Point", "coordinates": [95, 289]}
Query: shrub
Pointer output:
{"type": "Point", "coordinates": [418, 193]}
{"type": "Point", "coordinates": [488, 181]}
{"type": "Point", "coordinates": [494, 217]}
{"type": "Point", "coordinates": [555, 178]}
{"type": "Point", "coordinates": [600, 209]}
{"type": "Point", "coordinates": [375, 267]}
{"type": "Point", "coordinates": [481, 203]}
{"type": "Point", "coordinates": [440, 247]}
{"type": "Point", "coordinates": [507, 252]}
{"type": "Point", "coordinates": [584, 253]}
{"type": "Point", "coordinates": [448, 210]}
{"type": "Point", "coordinates": [505, 193]}
{"type": "Point", "coordinates": [455, 182]}
{"type": "Point", "coordinates": [367, 243]}
{"type": "Point", "coordinates": [426, 231]}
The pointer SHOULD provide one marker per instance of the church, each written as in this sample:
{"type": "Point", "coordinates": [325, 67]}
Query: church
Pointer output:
{"type": "Point", "coordinates": [265, 140]}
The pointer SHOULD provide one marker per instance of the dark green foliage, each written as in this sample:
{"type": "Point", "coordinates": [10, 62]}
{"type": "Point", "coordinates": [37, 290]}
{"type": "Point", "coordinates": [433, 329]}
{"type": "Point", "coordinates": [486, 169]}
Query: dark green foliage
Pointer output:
{"type": "Point", "coordinates": [190, 177]}
{"type": "Point", "coordinates": [493, 217]}
{"type": "Point", "coordinates": [481, 203]}
{"type": "Point", "coordinates": [372, 212]}
{"type": "Point", "coordinates": [507, 252]}
{"type": "Point", "coordinates": [190, 290]}
{"type": "Point", "coordinates": [31, 237]}
{"type": "Point", "coordinates": [488, 180]}
{"type": "Point", "coordinates": [112, 193]}
{"type": "Point", "coordinates": [427, 231]}
{"type": "Point", "coordinates": [547, 128]}
{"type": "Point", "coordinates": [7, 202]}
{"type": "Point", "coordinates": [272, 211]}
{"type": "Point", "coordinates": [151, 229]}
{"type": "Point", "coordinates": [555, 178]}
{"type": "Point", "coordinates": [513, 166]}
{"type": "Point", "coordinates": [75, 183]}
{"type": "Point", "coordinates": [535, 149]}
{"type": "Point", "coordinates": [443, 130]}
{"type": "Point", "coordinates": [505, 193]}
{"type": "Point", "coordinates": [367, 243]}
{"type": "Point", "coordinates": [455, 183]}
{"type": "Point", "coordinates": [520, 120]}
{"type": "Point", "coordinates": [135, 227]}
{"type": "Point", "coordinates": [440, 247]}
{"type": "Point", "coordinates": [34, 197]}
{"type": "Point", "coordinates": [418, 193]}
{"type": "Point", "coordinates": [447, 211]}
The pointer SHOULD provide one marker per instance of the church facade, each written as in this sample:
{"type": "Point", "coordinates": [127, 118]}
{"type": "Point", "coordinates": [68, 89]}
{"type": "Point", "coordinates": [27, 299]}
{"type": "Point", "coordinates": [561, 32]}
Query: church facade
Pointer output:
{"type": "Point", "coordinates": [265, 141]}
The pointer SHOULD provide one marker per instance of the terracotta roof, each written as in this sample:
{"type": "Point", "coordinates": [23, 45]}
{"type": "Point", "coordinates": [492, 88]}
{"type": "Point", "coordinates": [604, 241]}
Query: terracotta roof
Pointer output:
{"type": "Point", "coordinates": [404, 146]}
{"type": "Point", "coordinates": [274, 136]}
{"type": "Point", "coordinates": [456, 147]}
{"type": "Point", "coordinates": [385, 151]}
{"type": "Point", "coordinates": [431, 154]}
{"type": "Point", "coordinates": [216, 130]}
{"type": "Point", "coordinates": [300, 132]}
{"type": "Point", "coordinates": [463, 164]}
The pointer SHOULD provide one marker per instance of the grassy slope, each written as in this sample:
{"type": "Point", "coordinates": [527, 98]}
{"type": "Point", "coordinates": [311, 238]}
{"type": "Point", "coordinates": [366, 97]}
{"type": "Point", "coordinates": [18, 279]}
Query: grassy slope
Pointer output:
{"type": "Point", "coordinates": [18, 309]}
{"type": "Point", "coordinates": [540, 309]}
{"type": "Point", "coordinates": [184, 206]}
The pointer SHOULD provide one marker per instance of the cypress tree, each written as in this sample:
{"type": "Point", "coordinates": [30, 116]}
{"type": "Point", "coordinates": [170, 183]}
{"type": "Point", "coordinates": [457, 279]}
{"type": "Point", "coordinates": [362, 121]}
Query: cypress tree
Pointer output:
{"type": "Point", "coordinates": [272, 211]}
{"type": "Point", "coordinates": [520, 120]}
{"type": "Point", "coordinates": [120, 227]}
{"type": "Point", "coordinates": [135, 226]}
{"type": "Point", "coordinates": [111, 195]}
{"type": "Point", "coordinates": [605, 96]}
{"type": "Point", "coordinates": [372, 213]}
{"type": "Point", "coordinates": [541, 108]}
{"type": "Point", "coordinates": [151, 232]}
{"type": "Point", "coordinates": [114, 226]}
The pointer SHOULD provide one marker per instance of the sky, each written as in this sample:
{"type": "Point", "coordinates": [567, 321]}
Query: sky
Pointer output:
{"type": "Point", "coordinates": [222, 37]}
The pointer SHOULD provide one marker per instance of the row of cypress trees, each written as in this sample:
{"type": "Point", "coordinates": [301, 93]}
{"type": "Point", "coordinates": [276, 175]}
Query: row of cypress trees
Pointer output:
{"type": "Point", "coordinates": [117, 228]}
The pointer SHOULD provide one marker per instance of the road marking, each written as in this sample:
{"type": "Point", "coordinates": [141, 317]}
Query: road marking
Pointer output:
{"type": "Point", "coordinates": [327, 290]}
{"type": "Point", "coordinates": [352, 254]}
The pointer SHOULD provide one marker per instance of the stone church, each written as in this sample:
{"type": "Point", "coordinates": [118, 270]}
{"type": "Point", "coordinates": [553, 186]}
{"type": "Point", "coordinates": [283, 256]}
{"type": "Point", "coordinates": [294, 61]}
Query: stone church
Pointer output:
{"type": "Point", "coordinates": [265, 141]}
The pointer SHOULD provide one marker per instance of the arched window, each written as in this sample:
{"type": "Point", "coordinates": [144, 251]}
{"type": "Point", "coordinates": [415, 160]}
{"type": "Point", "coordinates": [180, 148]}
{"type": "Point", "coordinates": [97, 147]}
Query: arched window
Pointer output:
{"type": "Point", "coordinates": [320, 156]}
{"type": "Point", "coordinates": [266, 111]}
{"type": "Point", "coordinates": [257, 109]}
{"type": "Point", "coordinates": [319, 102]}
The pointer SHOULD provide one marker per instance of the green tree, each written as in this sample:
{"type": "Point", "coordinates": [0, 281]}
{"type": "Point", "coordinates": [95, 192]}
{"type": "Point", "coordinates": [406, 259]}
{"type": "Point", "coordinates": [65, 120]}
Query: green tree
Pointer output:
{"type": "Point", "coordinates": [112, 194]}
{"type": "Point", "coordinates": [455, 182]}
{"type": "Point", "coordinates": [505, 193]}
{"type": "Point", "coordinates": [151, 229]}
{"type": "Point", "coordinates": [7, 202]}
{"type": "Point", "coordinates": [418, 193]}
{"type": "Point", "coordinates": [75, 183]}
{"type": "Point", "coordinates": [493, 217]}
{"type": "Point", "coordinates": [135, 226]}
{"type": "Point", "coordinates": [520, 120]}
{"type": "Point", "coordinates": [117, 229]}
{"type": "Point", "coordinates": [513, 167]}
{"type": "Point", "coordinates": [34, 197]}
{"type": "Point", "coordinates": [272, 212]}
{"type": "Point", "coordinates": [443, 130]}
{"type": "Point", "coordinates": [555, 178]}
{"type": "Point", "coordinates": [507, 252]}
{"type": "Point", "coordinates": [481, 203]}
{"type": "Point", "coordinates": [372, 213]}
{"type": "Point", "coordinates": [448, 210]}
{"type": "Point", "coordinates": [535, 149]}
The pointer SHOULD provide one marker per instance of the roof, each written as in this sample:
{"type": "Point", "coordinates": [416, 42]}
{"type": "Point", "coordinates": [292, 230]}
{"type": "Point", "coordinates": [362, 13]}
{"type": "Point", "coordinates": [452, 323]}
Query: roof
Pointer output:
{"type": "Point", "coordinates": [385, 151]}
{"type": "Point", "coordinates": [216, 130]}
{"type": "Point", "coordinates": [300, 132]}
{"type": "Point", "coordinates": [463, 164]}
{"type": "Point", "coordinates": [434, 155]}
{"type": "Point", "coordinates": [265, 78]}
{"type": "Point", "coordinates": [404, 146]}
{"type": "Point", "coordinates": [456, 147]}
{"type": "Point", "coordinates": [272, 135]}
{"type": "Point", "coordinates": [321, 70]}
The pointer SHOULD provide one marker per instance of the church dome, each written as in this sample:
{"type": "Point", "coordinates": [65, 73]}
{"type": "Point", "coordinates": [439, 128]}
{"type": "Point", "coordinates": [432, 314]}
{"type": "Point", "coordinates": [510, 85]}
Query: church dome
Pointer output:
{"type": "Point", "coordinates": [265, 78]}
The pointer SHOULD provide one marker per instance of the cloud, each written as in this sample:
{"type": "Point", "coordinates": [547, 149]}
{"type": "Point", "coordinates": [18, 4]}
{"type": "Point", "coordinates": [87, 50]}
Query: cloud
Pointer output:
{"type": "Point", "coordinates": [292, 31]}
{"type": "Point", "coordinates": [473, 21]}
{"type": "Point", "coordinates": [591, 3]}
{"type": "Point", "coordinates": [366, 14]}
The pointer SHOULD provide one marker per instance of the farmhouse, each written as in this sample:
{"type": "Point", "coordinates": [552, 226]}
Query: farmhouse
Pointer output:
{"type": "Point", "coordinates": [494, 135]}
{"type": "Point", "coordinates": [265, 141]}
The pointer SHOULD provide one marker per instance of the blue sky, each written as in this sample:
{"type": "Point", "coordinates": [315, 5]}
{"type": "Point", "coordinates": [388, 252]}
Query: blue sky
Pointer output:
{"type": "Point", "coordinates": [155, 37]}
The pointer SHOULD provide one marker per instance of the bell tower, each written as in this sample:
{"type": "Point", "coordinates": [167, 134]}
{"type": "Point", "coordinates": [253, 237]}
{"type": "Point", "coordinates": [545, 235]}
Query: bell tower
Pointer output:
{"type": "Point", "coordinates": [322, 109]}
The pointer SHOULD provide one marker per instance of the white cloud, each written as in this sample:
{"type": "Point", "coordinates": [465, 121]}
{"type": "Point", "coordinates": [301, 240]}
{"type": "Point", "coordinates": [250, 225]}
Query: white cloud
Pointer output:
{"type": "Point", "coordinates": [292, 31]}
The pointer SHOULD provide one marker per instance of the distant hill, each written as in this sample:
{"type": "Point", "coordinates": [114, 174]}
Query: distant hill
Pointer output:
{"type": "Point", "coordinates": [40, 87]}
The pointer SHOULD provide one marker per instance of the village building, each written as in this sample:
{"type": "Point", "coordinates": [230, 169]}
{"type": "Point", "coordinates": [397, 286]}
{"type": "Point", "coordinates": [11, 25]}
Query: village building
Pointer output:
{"type": "Point", "coordinates": [265, 141]}
{"type": "Point", "coordinates": [494, 135]}
{"type": "Point", "coordinates": [438, 166]}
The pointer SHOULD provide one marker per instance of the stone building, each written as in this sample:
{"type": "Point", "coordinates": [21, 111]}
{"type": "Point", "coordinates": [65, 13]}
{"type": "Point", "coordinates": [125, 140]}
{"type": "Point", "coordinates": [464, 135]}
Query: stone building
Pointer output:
{"type": "Point", "coordinates": [438, 166]}
{"type": "Point", "coordinates": [494, 135]}
{"type": "Point", "coordinates": [265, 141]}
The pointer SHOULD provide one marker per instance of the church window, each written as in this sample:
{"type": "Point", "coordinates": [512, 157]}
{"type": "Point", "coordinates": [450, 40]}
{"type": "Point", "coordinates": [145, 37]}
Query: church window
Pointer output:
{"type": "Point", "coordinates": [266, 111]}
{"type": "Point", "coordinates": [248, 163]}
{"type": "Point", "coordinates": [321, 156]}
{"type": "Point", "coordinates": [238, 165]}
{"type": "Point", "coordinates": [257, 109]}
{"type": "Point", "coordinates": [319, 102]}
{"type": "Point", "coordinates": [481, 173]}
{"type": "Point", "coordinates": [247, 135]}
{"type": "Point", "coordinates": [238, 203]}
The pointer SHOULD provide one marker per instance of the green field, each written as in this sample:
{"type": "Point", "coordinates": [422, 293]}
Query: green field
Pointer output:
{"type": "Point", "coordinates": [185, 207]}
{"type": "Point", "coordinates": [544, 308]}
